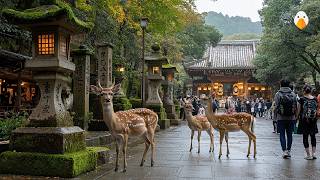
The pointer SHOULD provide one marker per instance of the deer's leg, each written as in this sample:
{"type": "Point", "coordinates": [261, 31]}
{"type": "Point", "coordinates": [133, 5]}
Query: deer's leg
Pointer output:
{"type": "Point", "coordinates": [151, 137]}
{"type": "Point", "coordinates": [192, 134]}
{"type": "Point", "coordinates": [249, 137]}
{"type": "Point", "coordinates": [146, 148]}
{"type": "Point", "coordinates": [221, 140]}
{"type": "Point", "coordinates": [253, 137]}
{"type": "Point", "coordinates": [227, 141]}
{"type": "Point", "coordinates": [199, 136]}
{"type": "Point", "coordinates": [117, 155]}
{"type": "Point", "coordinates": [210, 133]}
{"type": "Point", "coordinates": [124, 151]}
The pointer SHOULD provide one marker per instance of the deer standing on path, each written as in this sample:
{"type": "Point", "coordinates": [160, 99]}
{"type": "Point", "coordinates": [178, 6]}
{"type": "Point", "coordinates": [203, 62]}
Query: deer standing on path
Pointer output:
{"type": "Point", "coordinates": [135, 122]}
{"type": "Point", "coordinates": [232, 123]}
{"type": "Point", "coordinates": [198, 123]}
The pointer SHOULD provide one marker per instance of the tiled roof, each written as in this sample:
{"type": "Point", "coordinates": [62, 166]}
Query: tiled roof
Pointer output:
{"type": "Point", "coordinates": [228, 55]}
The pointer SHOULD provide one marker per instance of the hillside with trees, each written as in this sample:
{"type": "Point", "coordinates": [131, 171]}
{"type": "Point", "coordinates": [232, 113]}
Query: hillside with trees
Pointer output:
{"type": "Point", "coordinates": [233, 25]}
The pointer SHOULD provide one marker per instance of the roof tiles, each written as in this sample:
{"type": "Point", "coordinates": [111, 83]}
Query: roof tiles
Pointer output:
{"type": "Point", "coordinates": [228, 55]}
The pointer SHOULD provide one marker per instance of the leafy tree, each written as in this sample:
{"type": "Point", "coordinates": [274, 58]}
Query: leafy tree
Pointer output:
{"type": "Point", "coordinates": [285, 50]}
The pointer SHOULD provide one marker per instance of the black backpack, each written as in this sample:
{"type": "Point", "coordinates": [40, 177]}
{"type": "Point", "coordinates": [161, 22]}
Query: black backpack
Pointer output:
{"type": "Point", "coordinates": [287, 104]}
{"type": "Point", "coordinates": [309, 109]}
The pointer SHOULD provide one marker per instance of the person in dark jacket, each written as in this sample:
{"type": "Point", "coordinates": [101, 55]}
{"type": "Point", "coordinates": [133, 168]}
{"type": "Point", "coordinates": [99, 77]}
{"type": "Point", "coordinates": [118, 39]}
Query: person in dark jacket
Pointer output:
{"type": "Point", "coordinates": [285, 122]}
{"type": "Point", "coordinates": [308, 126]}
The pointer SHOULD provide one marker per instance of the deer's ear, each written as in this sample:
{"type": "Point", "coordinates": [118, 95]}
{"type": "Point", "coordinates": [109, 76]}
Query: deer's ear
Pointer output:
{"type": "Point", "coordinates": [116, 88]}
{"type": "Point", "coordinates": [95, 89]}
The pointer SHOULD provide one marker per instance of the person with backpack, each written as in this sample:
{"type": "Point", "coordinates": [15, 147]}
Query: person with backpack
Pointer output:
{"type": "Point", "coordinates": [215, 102]}
{"type": "Point", "coordinates": [307, 108]}
{"type": "Point", "coordinates": [285, 114]}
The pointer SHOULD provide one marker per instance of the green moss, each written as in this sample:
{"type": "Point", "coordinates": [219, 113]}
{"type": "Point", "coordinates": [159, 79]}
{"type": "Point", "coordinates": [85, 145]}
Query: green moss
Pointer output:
{"type": "Point", "coordinates": [44, 12]}
{"type": "Point", "coordinates": [160, 110]}
{"type": "Point", "coordinates": [39, 164]}
{"type": "Point", "coordinates": [169, 66]}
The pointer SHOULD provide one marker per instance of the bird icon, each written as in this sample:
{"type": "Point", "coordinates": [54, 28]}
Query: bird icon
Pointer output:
{"type": "Point", "coordinates": [301, 20]}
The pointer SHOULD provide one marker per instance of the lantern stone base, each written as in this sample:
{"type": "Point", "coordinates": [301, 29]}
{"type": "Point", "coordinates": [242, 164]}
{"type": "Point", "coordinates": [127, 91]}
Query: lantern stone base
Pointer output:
{"type": "Point", "coordinates": [171, 114]}
{"type": "Point", "coordinates": [56, 165]}
{"type": "Point", "coordinates": [51, 140]}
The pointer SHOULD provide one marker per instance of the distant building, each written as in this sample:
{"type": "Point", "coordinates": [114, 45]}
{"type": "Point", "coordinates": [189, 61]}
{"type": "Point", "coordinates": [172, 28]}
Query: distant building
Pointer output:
{"type": "Point", "coordinates": [228, 70]}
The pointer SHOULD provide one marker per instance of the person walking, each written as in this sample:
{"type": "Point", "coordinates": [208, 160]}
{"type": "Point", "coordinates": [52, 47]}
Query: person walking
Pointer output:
{"type": "Point", "coordinates": [274, 121]}
{"type": "Point", "coordinates": [307, 110]}
{"type": "Point", "coordinates": [285, 114]}
{"type": "Point", "coordinates": [181, 103]}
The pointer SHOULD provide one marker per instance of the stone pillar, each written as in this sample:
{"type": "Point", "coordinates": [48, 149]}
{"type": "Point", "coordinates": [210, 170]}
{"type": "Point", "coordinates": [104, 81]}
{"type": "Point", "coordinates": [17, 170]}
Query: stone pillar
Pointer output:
{"type": "Point", "coordinates": [104, 68]}
{"type": "Point", "coordinates": [81, 84]}
{"type": "Point", "coordinates": [105, 64]}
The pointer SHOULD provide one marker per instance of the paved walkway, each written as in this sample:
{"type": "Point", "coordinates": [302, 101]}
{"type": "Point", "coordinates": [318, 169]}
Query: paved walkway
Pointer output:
{"type": "Point", "coordinates": [174, 161]}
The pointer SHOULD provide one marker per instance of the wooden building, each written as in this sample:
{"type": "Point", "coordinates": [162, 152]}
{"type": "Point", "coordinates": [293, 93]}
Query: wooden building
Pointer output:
{"type": "Point", "coordinates": [17, 89]}
{"type": "Point", "coordinates": [228, 70]}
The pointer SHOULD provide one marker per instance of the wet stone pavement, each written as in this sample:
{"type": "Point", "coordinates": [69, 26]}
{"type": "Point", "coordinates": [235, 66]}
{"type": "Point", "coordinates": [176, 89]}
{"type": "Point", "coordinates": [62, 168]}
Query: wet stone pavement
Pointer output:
{"type": "Point", "coordinates": [174, 161]}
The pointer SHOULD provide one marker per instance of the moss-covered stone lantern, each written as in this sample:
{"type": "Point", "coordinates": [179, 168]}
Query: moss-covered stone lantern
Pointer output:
{"type": "Point", "coordinates": [168, 71]}
{"type": "Point", "coordinates": [50, 145]}
{"type": "Point", "coordinates": [154, 63]}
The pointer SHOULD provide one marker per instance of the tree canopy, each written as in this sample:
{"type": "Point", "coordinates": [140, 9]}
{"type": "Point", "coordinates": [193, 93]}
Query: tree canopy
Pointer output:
{"type": "Point", "coordinates": [286, 51]}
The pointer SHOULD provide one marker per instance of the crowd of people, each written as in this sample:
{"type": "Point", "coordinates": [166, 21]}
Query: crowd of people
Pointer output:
{"type": "Point", "coordinates": [288, 111]}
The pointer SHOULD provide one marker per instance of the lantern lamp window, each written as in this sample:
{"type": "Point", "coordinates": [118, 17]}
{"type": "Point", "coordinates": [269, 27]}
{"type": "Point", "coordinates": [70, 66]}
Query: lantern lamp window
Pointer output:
{"type": "Point", "coordinates": [156, 70]}
{"type": "Point", "coordinates": [46, 44]}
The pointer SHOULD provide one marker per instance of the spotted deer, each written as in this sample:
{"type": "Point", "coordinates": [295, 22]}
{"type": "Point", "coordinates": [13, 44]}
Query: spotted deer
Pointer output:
{"type": "Point", "coordinates": [231, 123]}
{"type": "Point", "coordinates": [122, 124]}
{"type": "Point", "coordinates": [198, 123]}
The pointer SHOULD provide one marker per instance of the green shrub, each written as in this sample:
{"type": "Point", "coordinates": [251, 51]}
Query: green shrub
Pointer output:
{"type": "Point", "coordinates": [136, 103]}
{"type": "Point", "coordinates": [121, 103]}
{"type": "Point", "coordinates": [7, 125]}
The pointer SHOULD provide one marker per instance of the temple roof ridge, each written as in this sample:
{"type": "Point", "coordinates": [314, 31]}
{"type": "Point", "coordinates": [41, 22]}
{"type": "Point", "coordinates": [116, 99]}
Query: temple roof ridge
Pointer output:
{"type": "Point", "coordinates": [228, 54]}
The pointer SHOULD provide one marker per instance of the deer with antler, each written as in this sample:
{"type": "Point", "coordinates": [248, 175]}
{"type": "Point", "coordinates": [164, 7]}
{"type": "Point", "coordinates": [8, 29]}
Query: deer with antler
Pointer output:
{"type": "Point", "coordinates": [231, 123]}
{"type": "Point", "coordinates": [122, 124]}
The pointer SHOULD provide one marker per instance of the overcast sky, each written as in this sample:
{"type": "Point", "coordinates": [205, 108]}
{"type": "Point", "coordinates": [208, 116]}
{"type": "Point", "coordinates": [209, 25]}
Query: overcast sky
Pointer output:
{"type": "Point", "coordinates": [245, 8]}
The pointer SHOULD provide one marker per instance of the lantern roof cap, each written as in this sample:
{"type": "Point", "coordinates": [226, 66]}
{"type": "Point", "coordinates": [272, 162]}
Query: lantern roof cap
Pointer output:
{"type": "Point", "coordinates": [48, 15]}
{"type": "Point", "coordinates": [155, 55]}
{"type": "Point", "coordinates": [169, 67]}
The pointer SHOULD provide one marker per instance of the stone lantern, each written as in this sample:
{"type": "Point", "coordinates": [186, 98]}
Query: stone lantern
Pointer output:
{"type": "Point", "coordinates": [168, 71]}
{"type": "Point", "coordinates": [154, 76]}
{"type": "Point", "coordinates": [50, 129]}
{"type": "Point", "coordinates": [154, 63]}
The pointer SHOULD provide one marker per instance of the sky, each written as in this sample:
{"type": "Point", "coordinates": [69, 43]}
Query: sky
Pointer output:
{"type": "Point", "coordinates": [245, 8]}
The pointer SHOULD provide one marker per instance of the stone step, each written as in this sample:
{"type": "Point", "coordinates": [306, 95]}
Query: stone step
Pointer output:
{"type": "Point", "coordinates": [98, 138]}
{"type": "Point", "coordinates": [4, 146]}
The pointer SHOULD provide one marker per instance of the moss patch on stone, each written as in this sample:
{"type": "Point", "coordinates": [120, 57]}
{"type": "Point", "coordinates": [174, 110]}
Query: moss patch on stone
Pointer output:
{"type": "Point", "coordinates": [160, 110]}
{"type": "Point", "coordinates": [63, 165]}
{"type": "Point", "coordinates": [44, 12]}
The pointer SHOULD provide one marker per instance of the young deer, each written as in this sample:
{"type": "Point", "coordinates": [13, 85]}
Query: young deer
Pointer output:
{"type": "Point", "coordinates": [134, 122]}
{"type": "Point", "coordinates": [232, 123]}
{"type": "Point", "coordinates": [198, 123]}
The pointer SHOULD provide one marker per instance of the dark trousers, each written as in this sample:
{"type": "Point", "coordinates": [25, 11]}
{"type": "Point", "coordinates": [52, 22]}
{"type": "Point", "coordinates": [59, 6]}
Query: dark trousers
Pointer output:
{"type": "Point", "coordinates": [306, 142]}
{"type": "Point", "coordinates": [285, 127]}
